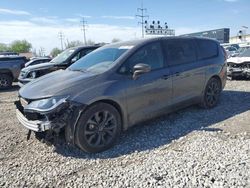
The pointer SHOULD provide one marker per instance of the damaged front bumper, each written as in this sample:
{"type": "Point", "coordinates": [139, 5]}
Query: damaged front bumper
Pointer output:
{"type": "Point", "coordinates": [34, 125]}
{"type": "Point", "coordinates": [238, 70]}
{"type": "Point", "coordinates": [65, 115]}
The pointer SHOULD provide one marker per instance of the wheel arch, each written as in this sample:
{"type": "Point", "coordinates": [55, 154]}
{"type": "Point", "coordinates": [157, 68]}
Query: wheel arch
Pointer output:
{"type": "Point", "coordinates": [8, 72]}
{"type": "Point", "coordinates": [216, 77]}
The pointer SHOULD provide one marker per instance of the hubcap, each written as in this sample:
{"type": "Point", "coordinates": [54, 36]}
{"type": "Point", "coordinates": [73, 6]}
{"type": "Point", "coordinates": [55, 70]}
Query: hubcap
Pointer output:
{"type": "Point", "coordinates": [213, 93]}
{"type": "Point", "coordinates": [100, 129]}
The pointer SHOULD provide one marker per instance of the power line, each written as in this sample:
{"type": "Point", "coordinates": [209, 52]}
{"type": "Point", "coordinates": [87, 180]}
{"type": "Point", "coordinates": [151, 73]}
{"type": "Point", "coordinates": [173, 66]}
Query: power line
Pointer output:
{"type": "Point", "coordinates": [61, 37]}
{"type": "Point", "coordinates": [142, 10]}
{"type": "Point", "coordinates": [84, 25]}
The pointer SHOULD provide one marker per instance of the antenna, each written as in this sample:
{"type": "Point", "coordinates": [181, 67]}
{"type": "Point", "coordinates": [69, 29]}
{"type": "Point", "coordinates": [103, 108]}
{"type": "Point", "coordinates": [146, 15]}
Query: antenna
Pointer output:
{"type": "Point", "coordinates": [142, 15]}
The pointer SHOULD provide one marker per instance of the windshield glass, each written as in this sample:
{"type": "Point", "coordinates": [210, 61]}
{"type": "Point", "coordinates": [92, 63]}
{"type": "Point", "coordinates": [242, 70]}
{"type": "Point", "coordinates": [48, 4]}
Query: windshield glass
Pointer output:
{"type": "Point", "coordinates": [63, 56]}
{"type": "Point", "coordinates": [98, 61]}
{"type": "Point", "coordinates": [245, 53]}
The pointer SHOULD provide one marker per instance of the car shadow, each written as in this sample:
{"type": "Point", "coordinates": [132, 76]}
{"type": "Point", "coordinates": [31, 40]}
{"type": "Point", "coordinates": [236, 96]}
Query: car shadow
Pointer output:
{"type": "Point", "coordinates": [161, 131]}
{"type": "Point", "coordinates": [12, 88]}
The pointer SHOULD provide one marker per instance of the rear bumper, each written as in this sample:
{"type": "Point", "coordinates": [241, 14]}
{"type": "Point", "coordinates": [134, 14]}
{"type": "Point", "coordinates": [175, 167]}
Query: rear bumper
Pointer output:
{"type": "Point", "coordinates": [37, 125]}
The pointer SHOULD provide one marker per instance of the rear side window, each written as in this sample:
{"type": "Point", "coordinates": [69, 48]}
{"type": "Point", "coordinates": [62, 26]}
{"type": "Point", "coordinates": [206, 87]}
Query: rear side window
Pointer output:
{"type": "Point", "coordinates": [207, 49]}
{"type": "Point", "coordinates": [179, 51]}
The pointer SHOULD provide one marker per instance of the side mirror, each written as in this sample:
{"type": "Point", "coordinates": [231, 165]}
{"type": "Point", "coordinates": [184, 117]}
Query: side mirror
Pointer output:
{"type": "Point", "coordinates": [73, 60]}
{"type": "Point", "coordinates": [140, 69]}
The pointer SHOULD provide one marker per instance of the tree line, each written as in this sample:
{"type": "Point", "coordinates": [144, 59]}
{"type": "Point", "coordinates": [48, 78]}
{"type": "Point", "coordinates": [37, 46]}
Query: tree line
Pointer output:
{"type": "Point", "coordinates": [18, 46]}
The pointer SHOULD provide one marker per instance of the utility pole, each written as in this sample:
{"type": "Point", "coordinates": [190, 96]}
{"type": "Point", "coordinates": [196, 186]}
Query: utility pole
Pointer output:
{"type": "Point", "coordinates": [142, 16]}
{"type": "Point", "coordinates": [61, 36]}
{"type": "Point", "coordinates": [84, 29]}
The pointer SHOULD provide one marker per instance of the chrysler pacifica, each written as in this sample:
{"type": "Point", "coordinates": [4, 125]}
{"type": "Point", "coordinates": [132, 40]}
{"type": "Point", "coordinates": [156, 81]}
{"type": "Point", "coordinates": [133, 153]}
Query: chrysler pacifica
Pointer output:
{"type": "Point", "coordinates": [120, 85]}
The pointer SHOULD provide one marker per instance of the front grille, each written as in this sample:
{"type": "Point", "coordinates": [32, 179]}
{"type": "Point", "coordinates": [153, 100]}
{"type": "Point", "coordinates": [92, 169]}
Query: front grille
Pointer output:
{"type": "Point", "coordinates": [241, 65]}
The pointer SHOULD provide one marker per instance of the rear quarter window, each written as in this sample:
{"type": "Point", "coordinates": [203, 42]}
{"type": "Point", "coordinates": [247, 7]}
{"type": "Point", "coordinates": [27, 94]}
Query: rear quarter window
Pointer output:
{"type": "Point", "coordinates": [207, 49]}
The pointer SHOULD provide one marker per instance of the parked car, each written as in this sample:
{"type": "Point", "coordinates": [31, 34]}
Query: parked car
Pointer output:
{"type": "Point", "coordinates": [37, 60]}
{"type": "Point", "coordinates": [120, 85]}
{"type": "Point", "coordinates": [240, 50]}
{"type": "Point", "coordinates": [10, 67]}
{"type": "Point", "coordinates": [230, 50]}
{"type": "Point", "coordinates": [62, 61]}
{"type": "Point", "coordinates": [239, 66]}
{"type": "Point", "coordinates": [4, 54]}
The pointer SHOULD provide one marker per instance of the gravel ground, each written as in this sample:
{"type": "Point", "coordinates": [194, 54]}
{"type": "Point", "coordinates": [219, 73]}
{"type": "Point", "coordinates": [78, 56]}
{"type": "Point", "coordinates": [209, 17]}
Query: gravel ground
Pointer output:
{"type": "Point", "coordinates": [190, 148]}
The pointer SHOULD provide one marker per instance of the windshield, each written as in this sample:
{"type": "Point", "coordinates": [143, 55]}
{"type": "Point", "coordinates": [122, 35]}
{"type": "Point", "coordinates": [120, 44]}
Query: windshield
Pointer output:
{"type": "Point", "coordinates": [245, 53]}
{"type": "Point", "coordinates": [63, 56]}
{"type": "Point", "coordinates": [98, 61]}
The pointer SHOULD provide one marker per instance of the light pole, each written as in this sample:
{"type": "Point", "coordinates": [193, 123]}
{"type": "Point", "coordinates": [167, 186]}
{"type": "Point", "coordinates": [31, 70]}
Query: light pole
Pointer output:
{"type": "Point", "coordinates": [142, 16]}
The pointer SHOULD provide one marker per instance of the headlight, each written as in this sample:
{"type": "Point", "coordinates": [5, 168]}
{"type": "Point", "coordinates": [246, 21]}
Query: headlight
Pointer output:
{"type": "Point", "coordinates": [45, 105]}
{"type": "Point", "coordinates": [33, 74]}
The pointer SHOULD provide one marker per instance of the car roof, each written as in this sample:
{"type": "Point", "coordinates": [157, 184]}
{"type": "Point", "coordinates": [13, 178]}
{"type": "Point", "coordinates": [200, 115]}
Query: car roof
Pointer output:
{"type": "Point", "coordinates": [11, 57]}
{"type": "Point", "coordinates": [146, 40]}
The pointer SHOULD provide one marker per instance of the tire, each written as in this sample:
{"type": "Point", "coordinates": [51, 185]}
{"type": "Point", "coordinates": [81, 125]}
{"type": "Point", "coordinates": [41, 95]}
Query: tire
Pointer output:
{"type": "Point", "coordinates": [212, 93]}
{"type": "Point", "coordinates": [5, 81]}
{"type": "Point", "coordinates": [98, 128]}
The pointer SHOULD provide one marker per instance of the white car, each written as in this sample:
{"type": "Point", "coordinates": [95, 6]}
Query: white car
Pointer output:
{"type": "Point", "coordinates": [239, 66]}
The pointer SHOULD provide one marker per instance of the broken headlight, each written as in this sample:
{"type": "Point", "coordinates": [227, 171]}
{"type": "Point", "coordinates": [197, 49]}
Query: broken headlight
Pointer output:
{"type": "Point", "coordinates": [46, 105]}
{"type": "Point", "coordinates": [33, 74]}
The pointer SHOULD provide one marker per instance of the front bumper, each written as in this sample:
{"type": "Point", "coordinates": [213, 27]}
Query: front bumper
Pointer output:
{"type": "Point", "coordinates": [234, 72]}
{"type": "Point", "coordinates": [36, 125]}
{"type": "Point", "coordinates": [64, 117]}
{"type": "Point", "coordinates": [237, 72]}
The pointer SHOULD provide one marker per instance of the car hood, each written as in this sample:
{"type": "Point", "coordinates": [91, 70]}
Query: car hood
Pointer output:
{"type": "Point", "coordinates": [62, 82]}
{"type": "Point", "coordinates": [238, 60]}
{"type": "Point", "coordinates": [39, 66]}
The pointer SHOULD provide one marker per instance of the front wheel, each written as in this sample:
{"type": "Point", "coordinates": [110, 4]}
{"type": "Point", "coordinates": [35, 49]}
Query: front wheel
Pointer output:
{"type": "Point", "coordinates": [212, 93]}
{"type": "Point", "coordinates": [98, 128]}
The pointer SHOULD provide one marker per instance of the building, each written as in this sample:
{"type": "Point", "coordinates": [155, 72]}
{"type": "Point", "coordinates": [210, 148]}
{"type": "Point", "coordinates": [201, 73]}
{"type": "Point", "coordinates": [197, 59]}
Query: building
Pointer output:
{"type": "Point", "coordinates": [237, 39]}
{"type": "Point", "coordinates": [222, 35]}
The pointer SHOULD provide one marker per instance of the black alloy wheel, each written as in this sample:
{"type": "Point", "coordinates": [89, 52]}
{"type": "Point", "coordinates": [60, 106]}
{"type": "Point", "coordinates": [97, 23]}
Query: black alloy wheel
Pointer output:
{"type": "Point", "coordinates": [98, 128]}
{"type": "Point", "coordinates": [212, 93]}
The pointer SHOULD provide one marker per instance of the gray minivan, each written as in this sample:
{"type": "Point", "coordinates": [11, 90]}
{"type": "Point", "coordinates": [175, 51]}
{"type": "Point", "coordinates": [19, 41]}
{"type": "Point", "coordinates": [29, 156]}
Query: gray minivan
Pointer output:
{"type": "Point", "coordinates": [120, 85]}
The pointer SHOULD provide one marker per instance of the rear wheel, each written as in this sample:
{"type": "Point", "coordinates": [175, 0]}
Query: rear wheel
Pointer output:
{"type": "Point", "coordinates": [5, 81]}
{"type": "Point", "coordinates": [212, 93]}
{"type": "Point", "coordinates": [98, 128]}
